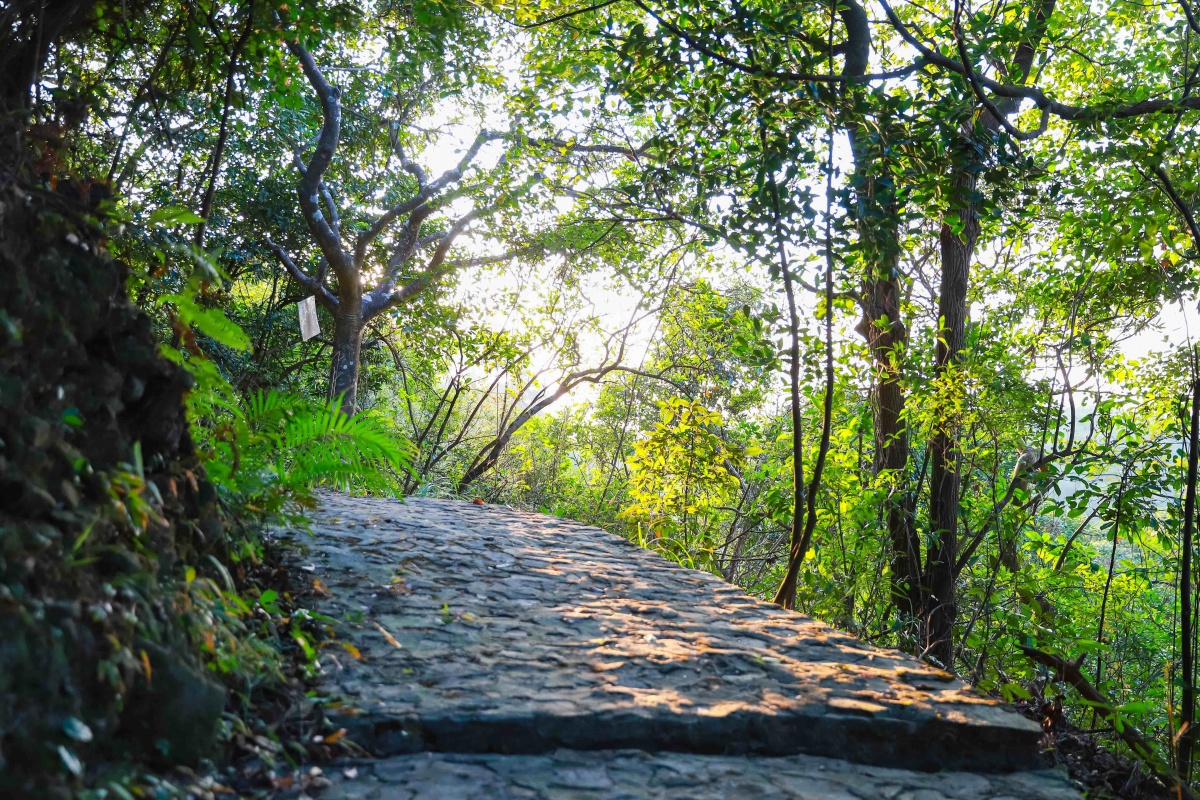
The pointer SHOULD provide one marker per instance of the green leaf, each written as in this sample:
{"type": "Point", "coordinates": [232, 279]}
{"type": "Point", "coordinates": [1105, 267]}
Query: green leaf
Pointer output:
{"type": "Point", "coordinates": [1011, 690]}
{"type": "Point", "coordinates": [77, 729]}
{"type": "Point", "coordinates": [70, 761]}
{"type": "Point", "coordinates": [174, 215]}
{"type": "Point", "coordinates": [211, 322]}
{"type": "Point", "coordinates": [267, 601]}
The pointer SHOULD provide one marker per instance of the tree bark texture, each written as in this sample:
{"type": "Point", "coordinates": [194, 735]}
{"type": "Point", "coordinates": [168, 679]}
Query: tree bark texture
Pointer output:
{"type": "Point", "coordinates": [957, 237]}
{"type": "Point", "coordinates": [347, 348]}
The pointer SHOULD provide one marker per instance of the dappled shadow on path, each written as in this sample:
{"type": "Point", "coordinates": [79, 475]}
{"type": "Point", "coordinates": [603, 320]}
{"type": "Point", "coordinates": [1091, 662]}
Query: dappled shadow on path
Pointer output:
{"type": "Point", "coordinates": [483, 629]}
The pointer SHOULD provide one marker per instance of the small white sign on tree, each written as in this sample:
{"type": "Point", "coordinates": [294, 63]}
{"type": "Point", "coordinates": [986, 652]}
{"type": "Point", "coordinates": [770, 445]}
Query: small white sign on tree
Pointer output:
{"type": "Point", "coordinates": [309, 327]}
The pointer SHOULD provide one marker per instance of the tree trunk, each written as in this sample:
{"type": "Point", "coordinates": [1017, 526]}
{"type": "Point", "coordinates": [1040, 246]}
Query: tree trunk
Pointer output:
{"type": "Point", "coordinates": [30, 31]}
{"type": "Point", "coordinates": [347, 345]}
{"type": "Point", "coordinates": [223, 134]}
{"type": "Point", "coordinates": [490, 455]}
{"type": "Point", "coordinates": [875, 213]}
{"type": "Point", "coordinates": [887, 338]}
{"type": "Point", "coordinates": [957, 250]}
{"type": "Point", "coordinates": [798, 550]}
{"type": "Point", "coordinates": [479, 467]}
{"type": "Point", "coordinates": [1187, 712]}
{"type": "Point", "coordinates": [785, 596]}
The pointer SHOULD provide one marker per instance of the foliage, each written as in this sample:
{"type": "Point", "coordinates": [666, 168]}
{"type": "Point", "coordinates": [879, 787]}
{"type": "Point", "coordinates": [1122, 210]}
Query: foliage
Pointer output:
{"type": "Point", "coordinates": [272, 449]}
{"type": "Point", "coordinates": [681, 474]}
{"type": "Point", "coordinates": [678, 179]}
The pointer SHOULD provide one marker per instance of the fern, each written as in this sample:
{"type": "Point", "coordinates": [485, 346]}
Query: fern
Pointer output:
{"type": "Point", "coordinates": [273, 449]}
{"type": "Point", "coordinates": [270, 450]}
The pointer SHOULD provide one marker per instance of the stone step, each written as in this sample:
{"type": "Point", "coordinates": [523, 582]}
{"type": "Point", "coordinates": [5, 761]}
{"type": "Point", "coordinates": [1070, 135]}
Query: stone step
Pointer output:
{"type": "Point", "coordinates": [634, 775]}
{"type": "Point", "coordinates": [482, 629]}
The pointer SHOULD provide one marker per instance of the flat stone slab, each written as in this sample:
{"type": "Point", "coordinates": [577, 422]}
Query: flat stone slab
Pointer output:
{"type": "Point", "coordinates": [635, 775]}
{"type": "Point", "coordinates": [482, 629]}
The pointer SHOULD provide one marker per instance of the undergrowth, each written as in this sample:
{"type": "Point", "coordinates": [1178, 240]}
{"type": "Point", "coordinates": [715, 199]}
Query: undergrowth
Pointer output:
{"type": "Point", "coordinates": [150, 631]}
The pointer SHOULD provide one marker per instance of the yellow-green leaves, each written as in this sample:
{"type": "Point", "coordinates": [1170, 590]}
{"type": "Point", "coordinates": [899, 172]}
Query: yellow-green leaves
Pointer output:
{"type": "Point", "coordinates": [680, 474]}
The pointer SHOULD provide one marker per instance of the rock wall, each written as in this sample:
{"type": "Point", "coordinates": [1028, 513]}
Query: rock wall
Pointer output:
{"type": "Point", "coordinates": [100, 497]}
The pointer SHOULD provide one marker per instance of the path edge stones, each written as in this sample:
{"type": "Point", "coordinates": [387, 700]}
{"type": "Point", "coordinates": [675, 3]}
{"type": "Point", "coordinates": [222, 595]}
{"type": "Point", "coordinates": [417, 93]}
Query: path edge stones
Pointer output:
{"type": "Point", "coordinates": [922, 746]}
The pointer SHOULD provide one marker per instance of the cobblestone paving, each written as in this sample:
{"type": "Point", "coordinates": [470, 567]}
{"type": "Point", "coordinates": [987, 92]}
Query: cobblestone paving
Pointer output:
{"type": "Point", "coordinates": [483, 630]}
{"type": "Point", "coordinates": [635, 775]}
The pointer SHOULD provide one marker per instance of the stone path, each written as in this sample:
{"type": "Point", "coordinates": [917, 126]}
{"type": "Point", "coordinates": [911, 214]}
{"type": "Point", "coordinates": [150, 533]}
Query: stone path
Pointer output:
{"type": "Point", "coordinates": [509, 654]}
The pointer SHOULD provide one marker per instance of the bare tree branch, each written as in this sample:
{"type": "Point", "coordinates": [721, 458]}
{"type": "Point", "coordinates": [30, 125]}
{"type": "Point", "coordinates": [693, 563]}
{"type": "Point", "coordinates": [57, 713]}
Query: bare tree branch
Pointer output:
{"type": "Point", "coordinates": [385, 295]}
{"type": "Point", "coordinates": [311, 176]}
{"type": "Point", "coordinates": [854, 43]}
{"type": "Point", "coordinates": [1069, 672]}
{"type": "Point", "coordinates": [408, 166]}
{"type": "Point", "coordinates": [313, 285]}
{"type": "Point", "coordinates": [1182, 207]}
{"type": "Point", "coordinates": [631, 153]}
{"type": "Point", "coordinates": [1044, 102]}
{"type": "Point", "coordinates": [424, 194]}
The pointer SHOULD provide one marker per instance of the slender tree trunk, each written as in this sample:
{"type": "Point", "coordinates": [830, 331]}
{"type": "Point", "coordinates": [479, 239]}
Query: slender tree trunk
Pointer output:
{"type": "Point", "coordinates": [1112, 567]}
{"type": "Point", "coordinates": [139, 97]}
{"type": "Point", "coordinates": [957, 250]}
{"type": "Point", "coordinates": [482, 465]}
{"type": "Point", "coordinates": [1187, 712]}
{"type": "Point", "coordinates": [486, 459]}
{"type": "Point", "coordinates": [787, 592]}
{"type": "Point", "coordinates": [736, 538]}
{"type": "Point", "coordinates": [223, 134]}
{"type": "Point", "coordinates": [785, 596]}
{"type": "Point", "coordinates": [957, 238]}
{"type": "Point", "coordinates": [887, 340]}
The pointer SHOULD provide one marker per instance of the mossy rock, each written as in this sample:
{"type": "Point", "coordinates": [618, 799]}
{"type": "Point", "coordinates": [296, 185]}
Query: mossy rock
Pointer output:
{"type": "Point", "coordinates": [173, 714]}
